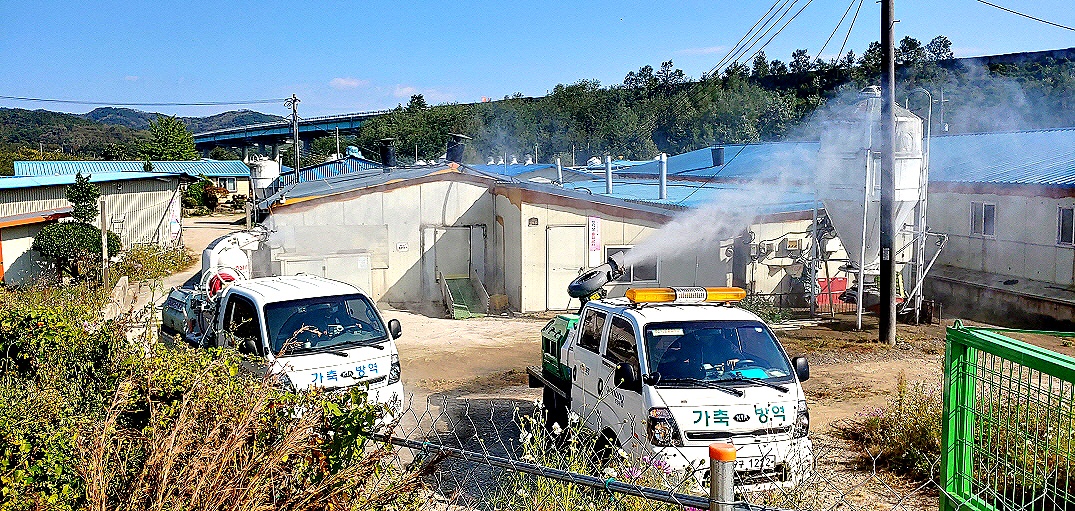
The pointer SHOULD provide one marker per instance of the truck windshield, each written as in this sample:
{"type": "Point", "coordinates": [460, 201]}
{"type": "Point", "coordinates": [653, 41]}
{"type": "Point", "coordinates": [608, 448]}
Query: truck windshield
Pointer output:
{"type": "Point", "coordinates": [323, 323]}
{"type": "Point", "coordinates": [715, 351]}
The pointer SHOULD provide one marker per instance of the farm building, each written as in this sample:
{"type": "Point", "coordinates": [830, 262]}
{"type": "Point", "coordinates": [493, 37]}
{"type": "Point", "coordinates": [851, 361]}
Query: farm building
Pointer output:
{"type": "Point", "coordinates": [144, 207]}
{"type": "Point", "coordinates": [409, 230]}
{"type": "Point", "coordinates": [1006, 202]}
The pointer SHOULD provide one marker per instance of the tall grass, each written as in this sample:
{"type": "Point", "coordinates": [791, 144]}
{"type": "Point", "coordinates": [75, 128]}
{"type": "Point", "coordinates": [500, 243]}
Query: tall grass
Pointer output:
{"type": "Point", "coordinates": [90, 421]}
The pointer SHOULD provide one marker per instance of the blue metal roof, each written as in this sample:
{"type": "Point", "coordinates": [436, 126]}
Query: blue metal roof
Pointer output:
{"type": "Point", "coordinates": [13, 182]}
{"type": "Point", "coordinates": [1040, 157]}
{"type": "Point", "coordinates": [693, 195]}
{"type": "Point", "coordinates": [209, 168]}
{"type": "Point", "coordinates": [512, 170]}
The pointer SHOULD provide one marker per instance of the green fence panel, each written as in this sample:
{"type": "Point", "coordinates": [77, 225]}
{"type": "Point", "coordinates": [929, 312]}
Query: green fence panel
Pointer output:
{"type": "Point", "coordinates": [1008, 427]}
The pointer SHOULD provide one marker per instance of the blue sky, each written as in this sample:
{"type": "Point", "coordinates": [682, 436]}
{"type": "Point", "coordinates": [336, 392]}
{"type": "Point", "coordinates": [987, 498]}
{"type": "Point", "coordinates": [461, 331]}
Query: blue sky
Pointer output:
{"type": "Point", "coordinates": [341, 57]}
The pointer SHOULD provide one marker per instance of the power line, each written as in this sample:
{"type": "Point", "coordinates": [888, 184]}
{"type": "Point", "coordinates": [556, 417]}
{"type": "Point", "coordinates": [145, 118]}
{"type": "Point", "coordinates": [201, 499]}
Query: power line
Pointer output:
{"type": "Point", "coordinates": [112, 103]}
{"type": "Point", "coordinates": [850, 28]}
{"type": "Point", "coordinates": [1047, 22]}
{"type": "Point", "coordinates": [834, 29]}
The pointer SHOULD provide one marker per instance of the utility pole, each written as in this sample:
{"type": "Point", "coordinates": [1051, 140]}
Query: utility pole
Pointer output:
{"type": "Point", "coordinates": [293, 104]}
{"type": "Point", "coordinates": [887, 319]}
{"type": "Point", "coordinates": [104, 241]}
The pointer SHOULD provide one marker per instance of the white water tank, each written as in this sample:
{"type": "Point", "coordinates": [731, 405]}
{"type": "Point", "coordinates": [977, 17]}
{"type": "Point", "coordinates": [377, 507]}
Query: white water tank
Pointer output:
{"type": "Point", "coordinates": [849, 174]}
{"type": "Point", "coordinates": [262, 174]}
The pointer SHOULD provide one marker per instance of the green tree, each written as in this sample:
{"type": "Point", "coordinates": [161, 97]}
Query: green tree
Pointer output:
{"type": "Point", "coordinates": [800, 61]}
{"type": "Point", "coordinates": [760, 67]}
{"type": "Point", "coordinates": [83, 196]}
{"type": "Point", "coordinates": [940, 48]}
{"type": "Point", "coordinates": [75, 247]}
{"type": "Point", "coordinates": [910, 52]}
{"type": "Point", "coordinates": [169, 140]}
{"type": "Point", "coordinates": [223, 153]}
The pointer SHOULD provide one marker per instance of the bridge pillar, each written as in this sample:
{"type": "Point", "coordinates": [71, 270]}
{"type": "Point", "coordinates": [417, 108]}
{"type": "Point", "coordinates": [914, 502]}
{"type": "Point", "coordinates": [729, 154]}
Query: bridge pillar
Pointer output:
{"type": "Point", "coordinates": [275, 150]}
{"type": "Point", "coordinates": [246, 152]}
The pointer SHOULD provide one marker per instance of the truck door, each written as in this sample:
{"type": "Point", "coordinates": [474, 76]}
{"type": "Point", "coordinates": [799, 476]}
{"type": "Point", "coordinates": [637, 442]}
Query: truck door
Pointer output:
{"type": "Point", "coordinates": [240, 323]}
{"type": "Point", "coordinates": [587, 369]}
{"type": "Point", "coordinates": [623, 406]}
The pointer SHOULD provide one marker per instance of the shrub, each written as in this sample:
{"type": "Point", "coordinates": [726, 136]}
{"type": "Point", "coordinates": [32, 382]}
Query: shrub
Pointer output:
{"type": "Point", "coordinates": [83, 197]}
{"type": "Point", "coordinates": [764, 308]}
{"type": "Point", "coordinates": [149, 262]}
{"type": "Point", "coordinates": [905, 434]}
{"type": "Point", "coordinates": [203, 194]}
{"type": "Point", "coordinates": [89, 420]}
{"type": "Point", "coordinates": [75, 247]}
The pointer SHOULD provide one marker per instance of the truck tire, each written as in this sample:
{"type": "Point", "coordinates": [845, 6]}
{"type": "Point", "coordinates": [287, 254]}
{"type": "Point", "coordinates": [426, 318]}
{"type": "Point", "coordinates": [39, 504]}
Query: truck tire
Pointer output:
{"type": "Point", "coordinates": [555, 408]}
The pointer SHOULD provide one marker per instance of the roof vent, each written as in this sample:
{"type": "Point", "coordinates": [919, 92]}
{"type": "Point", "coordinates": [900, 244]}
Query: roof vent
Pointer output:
{"type": "Point", "coordinates": [456, 146]}
{"type": "Point", "coordinates": [388, 152]}
{"type": "Point", "coordinates": [718, 156]}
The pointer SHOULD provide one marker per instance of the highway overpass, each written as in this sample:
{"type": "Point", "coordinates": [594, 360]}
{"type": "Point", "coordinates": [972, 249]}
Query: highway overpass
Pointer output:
{"type": "Point", "coordinates": [275, 134]}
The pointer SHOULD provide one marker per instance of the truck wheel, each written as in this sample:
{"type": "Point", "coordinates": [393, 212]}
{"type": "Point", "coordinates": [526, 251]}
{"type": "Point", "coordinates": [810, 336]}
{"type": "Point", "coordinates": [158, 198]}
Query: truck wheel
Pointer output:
{"type": "Point", "coordinates": [605, 447]}
{"type": "Point", "coordinates": [555, 408]}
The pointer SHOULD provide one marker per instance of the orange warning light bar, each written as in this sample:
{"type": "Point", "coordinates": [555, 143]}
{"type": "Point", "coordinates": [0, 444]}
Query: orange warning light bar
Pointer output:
{"type": "Point", "coordinates": [685, 294]}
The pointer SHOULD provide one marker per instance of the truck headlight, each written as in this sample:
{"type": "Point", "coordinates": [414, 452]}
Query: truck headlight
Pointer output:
{"type": "Point", "coordinates": [662, 428]}
{"type": "Point", "coordinates": [394, 373]}
{"type": "Point", "coordinates": [801, 427]}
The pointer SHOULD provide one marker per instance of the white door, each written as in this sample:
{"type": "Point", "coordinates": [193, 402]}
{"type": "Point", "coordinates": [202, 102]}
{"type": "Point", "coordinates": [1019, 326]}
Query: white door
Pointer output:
{"type": "Point", "coordinates": [587, 370]}
{"type": "Point", "coordinates": [452, 251]}
{"type": "Point", "coordinates": [623, 406]}
{"type": "Point", "coordinates": [565, 256]}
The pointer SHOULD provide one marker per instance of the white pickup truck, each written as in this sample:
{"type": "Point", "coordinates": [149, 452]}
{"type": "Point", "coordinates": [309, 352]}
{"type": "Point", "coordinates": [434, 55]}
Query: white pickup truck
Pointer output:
{"type": "Point", "coordinates": [310, 331]}
{"type": "Point", "coordinates": [665, 372]}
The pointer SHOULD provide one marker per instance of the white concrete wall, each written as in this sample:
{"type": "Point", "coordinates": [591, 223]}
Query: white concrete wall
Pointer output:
{"type": "Point", "coordinates": [389, 225]}
{"type": "Point", "coordinates": [1025, 243]}
{"type": "Point", "coordinates": [22, 265]}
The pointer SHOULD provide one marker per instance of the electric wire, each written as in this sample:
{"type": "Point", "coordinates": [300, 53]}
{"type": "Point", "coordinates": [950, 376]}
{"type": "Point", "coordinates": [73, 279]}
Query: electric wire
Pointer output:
{"type": "Point", "coordinates": [1017, 13]}
{"type": "Point", "coordinates": [752, 41]}
{"type": "Point", "coordinates": [749, 37]}
{"type": "Point", "coordinates": [747, 34]}
{"type": "Point", "coordinates": [112, 103]}
{"type": "Point", "coordinates": [834, 30]}
{"type": "Point", "coordinates": [782, 28]}
{"type": "Point", "coordinates": [850, 28]}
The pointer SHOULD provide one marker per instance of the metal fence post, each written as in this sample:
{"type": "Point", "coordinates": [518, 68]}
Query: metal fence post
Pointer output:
{"type": "Point", "coordinates": [957, 418]}
{"type": "Point", "coordinates": [721, 476]}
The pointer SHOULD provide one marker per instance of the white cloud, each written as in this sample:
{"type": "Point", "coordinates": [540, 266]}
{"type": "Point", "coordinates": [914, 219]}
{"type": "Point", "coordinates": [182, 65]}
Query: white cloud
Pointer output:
{"type": "Point", "coordinates": [432, 96]}
{"type": "Point", "coordinates": [131, 78]}
{"type": "Point", "coordinates": [707, 50]}
{"type": "Point", "coordinates": [339, 83]}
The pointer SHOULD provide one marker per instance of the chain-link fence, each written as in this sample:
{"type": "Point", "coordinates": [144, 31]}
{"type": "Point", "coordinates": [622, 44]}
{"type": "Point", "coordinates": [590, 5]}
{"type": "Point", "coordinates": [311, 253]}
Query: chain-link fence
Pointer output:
{"type": "Point", "coordinates": [496, 453]}
{"type": "Point", "coordinates": [1007, 442]}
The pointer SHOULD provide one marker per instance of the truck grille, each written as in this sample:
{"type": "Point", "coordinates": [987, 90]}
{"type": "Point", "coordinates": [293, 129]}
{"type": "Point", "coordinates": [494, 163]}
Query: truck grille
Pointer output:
{"type": "Point", "coordinates": [722, 435]}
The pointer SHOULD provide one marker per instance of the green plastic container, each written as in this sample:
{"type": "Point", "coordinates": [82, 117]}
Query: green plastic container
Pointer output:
{"type": "Point", "coordinates": [553, 336]}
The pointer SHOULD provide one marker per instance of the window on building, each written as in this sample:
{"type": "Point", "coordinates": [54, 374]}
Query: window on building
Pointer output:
{"type": "Point", "coordinates": [983, 219]}
{"type": "Point", "coordinates": [645, 271]}
{"type": "Point", "coordinates": [1065, 226]}
{"type": "Point", "coordinates": [227, 183]}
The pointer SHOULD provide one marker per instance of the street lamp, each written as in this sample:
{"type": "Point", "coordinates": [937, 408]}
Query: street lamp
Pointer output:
{"type": "Point", "coordinates": [920, 219]}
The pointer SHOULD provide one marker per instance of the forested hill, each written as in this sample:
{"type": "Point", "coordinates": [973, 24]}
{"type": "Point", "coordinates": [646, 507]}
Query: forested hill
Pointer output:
{"type": "Point", "coordinates": [64, 133]}
{"type": "Point", "coordinates": [138, 119]}
{"type": "Point", "coordinates": [663, 110]}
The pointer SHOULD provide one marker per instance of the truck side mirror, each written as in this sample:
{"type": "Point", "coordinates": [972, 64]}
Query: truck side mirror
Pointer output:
{"type": "Point", "coordinates": [626, 377]}
{"type": "Point", "coordinates": [395, 328]}
{"type": "Point", "coordinates": [248, 347]}
{"type": "Point", "coordinates": [802, 368]}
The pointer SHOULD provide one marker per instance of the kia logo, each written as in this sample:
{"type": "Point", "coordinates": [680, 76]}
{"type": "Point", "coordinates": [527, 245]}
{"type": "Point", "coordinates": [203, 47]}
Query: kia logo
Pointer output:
{"type": "Point", "coordinates": [741, 417]}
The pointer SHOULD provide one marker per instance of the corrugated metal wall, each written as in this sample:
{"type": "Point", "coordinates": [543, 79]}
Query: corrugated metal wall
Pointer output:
{"type": "Point", "coordinates": [138, 209]}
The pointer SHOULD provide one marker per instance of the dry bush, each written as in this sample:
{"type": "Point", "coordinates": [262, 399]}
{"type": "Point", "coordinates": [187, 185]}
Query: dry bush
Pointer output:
{"type": "Point", "coordinates": [229, 442]}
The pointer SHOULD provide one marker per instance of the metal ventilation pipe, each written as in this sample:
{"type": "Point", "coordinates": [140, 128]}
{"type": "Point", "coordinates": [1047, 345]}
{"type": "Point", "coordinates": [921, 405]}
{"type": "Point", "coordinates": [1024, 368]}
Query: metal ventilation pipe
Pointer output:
{"type": "Point", "coordinates": [662, 166]}
{"type": "Point", "coordinates": [608, 175]}
{"type": "Point", "coordinates": [388, 152]}
{"type": "Point", "coordinates": [455, 147]}
{"type": "Point", "coordinates": [559, 172]}
{"type": "Point", "coordinates": [718, 156]}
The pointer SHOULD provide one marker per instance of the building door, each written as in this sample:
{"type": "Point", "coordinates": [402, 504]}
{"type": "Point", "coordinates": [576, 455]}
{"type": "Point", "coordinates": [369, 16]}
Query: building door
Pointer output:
{"type": "Point", "coordinates": [565, 258]}
{"type": "Point", "coordinates": [451, 248]}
